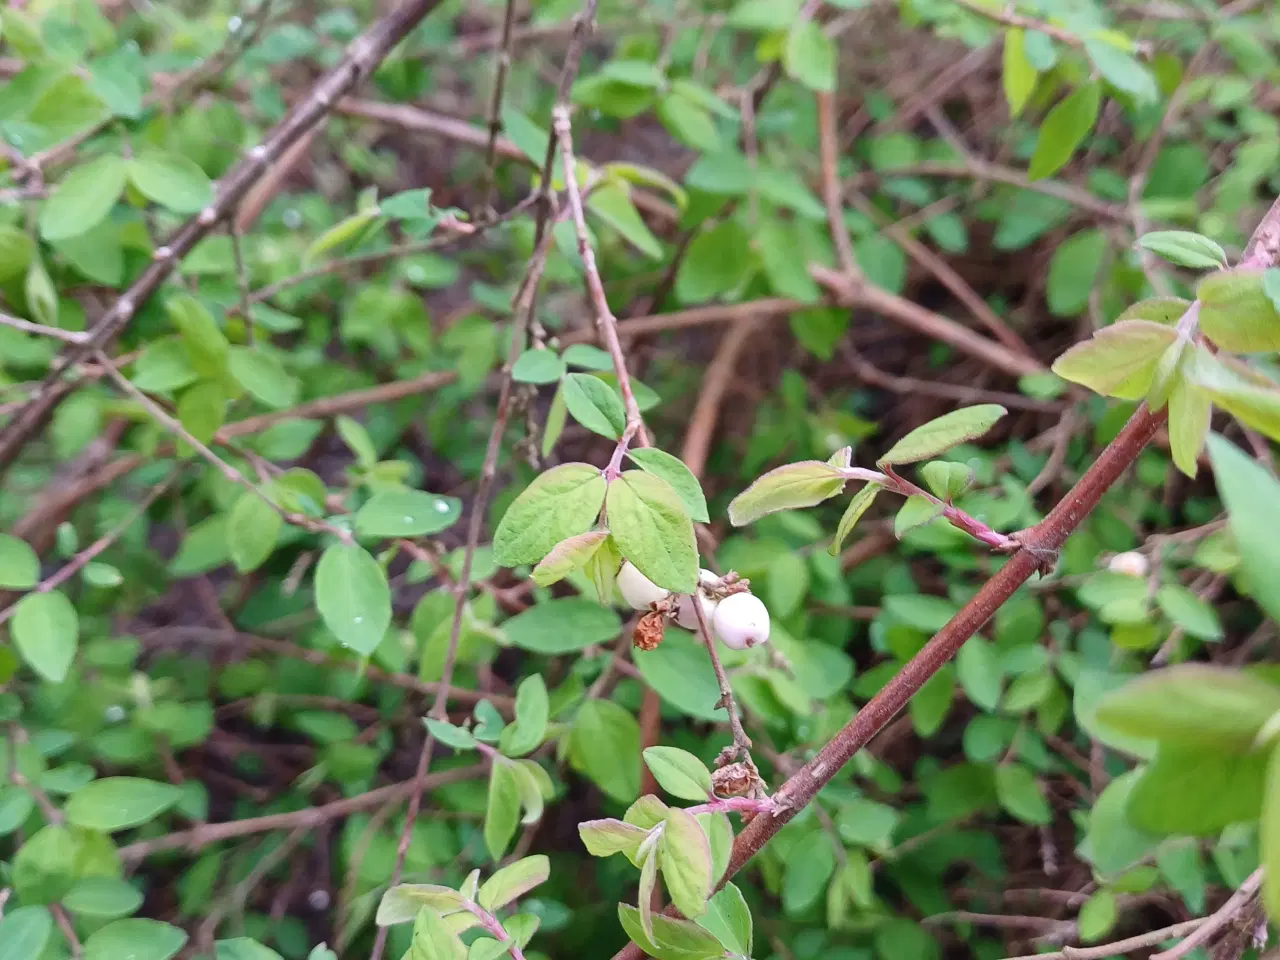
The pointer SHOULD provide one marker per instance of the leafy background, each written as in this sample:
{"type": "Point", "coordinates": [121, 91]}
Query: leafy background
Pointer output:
{"type": "Point", "coordinates": [215, 670]}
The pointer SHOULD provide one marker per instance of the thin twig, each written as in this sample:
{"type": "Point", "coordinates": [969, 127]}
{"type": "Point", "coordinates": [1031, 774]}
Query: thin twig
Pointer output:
{"type": "Point", "coordinates": [40, 330]}
{"type": "Point", "coordinates": [1224, 915]}
{"type": "Point", "coordinates": [1118, 947]}
{"type": "Point", "coordinates": [68, 931]}
{"type": "Point", "coordinates": [740, 739]}
{"type": "Point", "coordinates": [495, 105]}
{"type": "Point", "coordinates": [828, 154]}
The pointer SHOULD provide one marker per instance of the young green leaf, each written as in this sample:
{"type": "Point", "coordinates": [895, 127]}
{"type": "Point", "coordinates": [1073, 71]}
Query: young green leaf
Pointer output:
{"type": "Point", "coordinates": [1236, 313]}
{"type": "Point", "coordinates": [594, 405]}
{"type": "Point", "coordinates": [1020, 794]}
{"type": "Point", "coordinates": [83, 198]}
{"type": "Point", "coordinates": [685, 856]}
{"type": "Point", "coordinates": [567, 556]}
{"type": "Point", "coordinates": [679, 772]}
{"type": "Point", "coordinates": [406, 513]}
{"type": "Point", "coordinates": [24, 932]}
{"type": "Point", "coordinates": [946, 479]}
{"type": "Point", "coordinates": [1098, 916]}
{"type": "Point", "coordinates": [434, 937]}
{"type": "Point", "coordinates": [648, 881]}
{"type": "Point", "coordinates": [513, 881]}
{"type": "Point", "coordinates": [939, 435]}
{"type": "Point", "coordinates": [1119, 360]}
{"type": "Point", "coordinates": [673, 471]}
{"type": "Point", "coordinates": [450, 734]}
{"type": "Point", "coordinates": [915, 511]}
{"type": "Point", "coordinates": [538, 366]}
{"type": "Point", "coordinates": [789, 487]}
{"type": "Point", "coordinates": [531, 715]}
{"type": "Point", "coordinates": [117, 803]}
{"type": "Point", "coordinates": [46, 630]}
{"type": "Point", "coordinates": [19, 565]}
{"type": "Point", "coordinates": [858, 505]}
{"type": "Point", "coordinates": [1188, 611]}
{"type": "Point", "coordinates": [651, 528]}
{"type": "Point", "coordinates": [402, 903]}
{"type": "Point", "coordinates": [1184, 248]}
{"type": "Point", "coordinates": [729, 918]}
{"type": "Point", "coordinates": [810, 56]}
{"type": "Point", "coordinates": [171, 180]}
{"type": "Point", "coordinates": [668, 939]}
{"type": "Point", "coordinates": [1196, 791]}
{"type": "Point", "coordinates": [1252, 499]}
{"type": "Point", "coordinates": [1018, 76]}
{"type": "Point", "coordinates": [1193, 705]}
{"type": "Point", "coordinates": [603, 838]}
{"type": "Point", "coordinates": [252, 528]}
{"type": "Point", "coordinates": [135, 939]}
{"type": "Point", "coordinates": [1064, 129]}
{"type": "Point", "coordinates": [562, 502]}
{"type": "Point", "coordinates": [1122, 71]}
{"type": "Point", "coordinates": [352, 597]}
{"type": "Point", "coordinates": [502, 814]}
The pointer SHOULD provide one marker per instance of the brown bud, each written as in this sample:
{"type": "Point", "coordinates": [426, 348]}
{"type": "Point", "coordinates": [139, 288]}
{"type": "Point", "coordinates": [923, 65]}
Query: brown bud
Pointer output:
{"type": "Point", "coordinates": [648, 632]}
{"type": "Point", "coordinates": [734, 780]}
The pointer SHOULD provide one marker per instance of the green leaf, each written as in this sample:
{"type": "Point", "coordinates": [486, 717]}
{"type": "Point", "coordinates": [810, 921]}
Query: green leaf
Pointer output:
{"type": "Point", "coordinates": [1064, 129]}
{"type": "Point", "coordinates": [537, 366]}
{"type": "Point", "coordinates": [947, 480]}
{"type": "Point", "coordinates": [19, 565]}
{"type": "Point", "coordinates": [809, 866]}
{"type": "Point", "coordinates": [688, 121]}
{"type": "Point", "coordinates": [1073, 272]}
{"type": "Point", "coordinates": [357, 439]}
{"type": "Point", "coordinates": [1184, 248]}
{"type": "Point", "coordinates": [604, 838]}
{"type": "Point", "coordinates": [24, 932]}
{"type": "Point", "coordinates": [103, 898]}
{"type": "Point", "coordinates": [252, 528]}
{"type": "Point", "coordinates": [409, 205]}
{"type": "Point", "coordinates": [1270, 283]}
{"type": "Point", "coordinates": [171, 180]}
{"type": "Point", "coordinates": [569, 555]}
{"type": "Point", "coordinates": [1122, 71]}
{"type": "Point", "coordinates": [562, 502]}
{"type": "Point", "coordinates": [611, 202]}
{"type": "Point", "coordinates": [1252, 499]}
{"type": "Point", "coordinates": [201, 411]}
{"type": "Point", "coordinates": [679, 773]}
{"type": "Point", "coordinates": [668, 939]}
{"type": "Point", "coordinates": [162, 366]}
{"type": "Point", "coordinates": [502, 814]}
{"type": "Point", "coordinates": [117, 803]}
{"type": "Point", "coordinates": [764, 15]}
{"type": "Point", "coordinates": [263, 376]}
{"type": "Point", "coordinates": [562, 625]}
{"type": "Point", "coordinates": [1114, 844]}
{"type": "Point", "coordinates": [782, 255]}
{"type": "Point", "coordinates": [789, 487]}
{"type": "Point", "coordinates": [243, 948]}
{"type": "Point", "coordinates": [939, 435]}
{"type": "Point", "coordinates": [46, 630]}
{"type": "Point", "coordinates": [1193, 705]}
{"type": "Point", "coordinates": [352, 597]}
{"type": "Point", "coordinates": [810, 56]}
{"type": "Point", "coordinates": [450, 734]}
{"type": "Point", "coordinates": [858, 505]}
{"type": "Point", "coordinates": [1268, 837]}
{"type": "Point", "coordinates": [83, 198]}
{"type": "Point", "coordinates": [594, 405]}
{"type": "Point", "coordinates": [604, 744]}
{"type": "Point", "coordinates": [1098, 916]}
{"type": "Point", "coordinates": [648, 522]}
{"type": "Point", "coordinates": [979, 672]}
{"type": "Point", "coordinates": [729, 918]}
{"type": "Point", "coordinates": [1236, 313]}
{"type": "Point", "coordinates": [402, 903]}
{"type": "Point", "coordinates": [434, 938]}
{"type": "Point", "coordinates": [686, 862]}
{"type": "Point", "coordinates": [42, 298]}
{"type": "Point", "coordinates": [532, 711]}
{"type": "Point", "coordinates": [1247, 395]}
{"type": "Point", "coordinates": [916, 511]}
{"type": "Point", "coordinates": [44, 868]}
{"type": "Point", "coordinates": [1018, 76]}
{"type": "Point", "coordinates": [513, 881]}
{"type": "Point", "coordinates": [1020, 794]}
{"type": "Point", "coordinates": [406, 513]}
{"type": "Point", "coordinates": [673, 470]}
{"type": "Point", "coordinates": [1189, 612]}
{"type": "Point", "coordinates": [587, 357]}
{"type": "Point", "coordinates": [134, 940]}
{"type": "Point", "coordinates": [716, 263]}
{"type": "Point", "coordinates": [1119, 360]}
{"type": "Point", "coordinates": [206, 344]}
{"type": "Point", "coordinates": [680, 672]}
{"type": "Point", "coordinates": [1196, 791]}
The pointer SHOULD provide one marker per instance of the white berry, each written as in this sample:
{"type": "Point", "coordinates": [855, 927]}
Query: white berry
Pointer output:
{"type": "Point", "coordinates": [637, 589]}
{"type": "Point", "coordinates": [1131, 564]}
{"type": "Point", "coordinates": [741, 621]}
{"type": "Point", "coordinates": [687, 617]}
{"type": "Point", "coordinates": [707, 578]}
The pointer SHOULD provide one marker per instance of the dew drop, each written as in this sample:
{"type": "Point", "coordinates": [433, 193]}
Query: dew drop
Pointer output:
{"type": "Point", "coordinates": [441, 507]}
{"type": "Point", "coordinates": [408, 519]}
{"type": "Point", "coordinates": [357, 619]}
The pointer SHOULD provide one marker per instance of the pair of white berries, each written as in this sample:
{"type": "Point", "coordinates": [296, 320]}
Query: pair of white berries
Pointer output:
{"type": "Point", "coordinates": [740, 620]}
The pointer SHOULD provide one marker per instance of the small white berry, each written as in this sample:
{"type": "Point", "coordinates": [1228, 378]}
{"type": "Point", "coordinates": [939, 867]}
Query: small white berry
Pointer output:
{"type": "Point", "coordinates": [637, 589]}
{"type": "Point", "coordinates": [741, 621]}
{"type": "Point", "coordinates": [687, 617]}
{"type": "Point", "coordinates": [1131, 564]}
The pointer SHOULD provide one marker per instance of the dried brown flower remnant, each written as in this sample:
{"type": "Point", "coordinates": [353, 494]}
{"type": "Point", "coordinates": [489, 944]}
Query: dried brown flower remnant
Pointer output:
{"type": "Point", "coordinates": [648, 632]}
{"type": "Point", "coordinates": [734, 780]}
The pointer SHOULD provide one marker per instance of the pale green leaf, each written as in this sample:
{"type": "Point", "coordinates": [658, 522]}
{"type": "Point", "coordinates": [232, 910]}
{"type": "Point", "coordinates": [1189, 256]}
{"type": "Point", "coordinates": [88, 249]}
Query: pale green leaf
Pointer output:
{"type": "Point", "coordinates": [1018, 76]}
{"type": "Point", "coordinates": [679, 773]}
{"type": "Point", "coordinates": [1252, 499]}
{"type": "Point", "coordinates": [810, 56]}
{"type": "Point", "coordinates": [117, 803]}
{"type": "Point", "coordinates": [652, 529]}
{"type": "Point", "coordinates": [19, 565]}
{"type": "Point", "coordinates": [1236, 313]}
{"type": "Point", "coordinates": [680, 477]}
{"type": "Point", "coordinates": [513, 881]}
{"type": "Point", "coordinates": [789, 487]}
{"type": "Point", "coordinates": [1184, 248]}
{"type": "Point", "coordinates": [83, 198]}
{"type": "Point", "coordinates": [562, 502]}
{"type": "Point", "coordinates": [939, 435]}
{"type": "Point", "coordinates": [1064, 129]}
{"type": "Point", "coordinates": [502, 813]}
{"type": "Point", "coordinates": [134, 939]}
{"type": "Point", "coordinates": [252, 528]}
{"type": "Point", "coordinates": [406, 513]}
{"type": "Point", "coordinates": [1119, 360]}
{"type": "Point", "coordinates": [46, 630]}
{"type": "Point", "coordinates": [858, 505]}
{"type": "Point", "coordinates": [353, 597]}
{"type": "Point", "coordinates": [171, 180]}
{"type": "Point", "coordinates": [685, 855]}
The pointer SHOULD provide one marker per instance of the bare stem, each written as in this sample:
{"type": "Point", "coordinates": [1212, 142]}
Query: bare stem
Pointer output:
{"type": "Point", "coordinates": [741, 742]}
